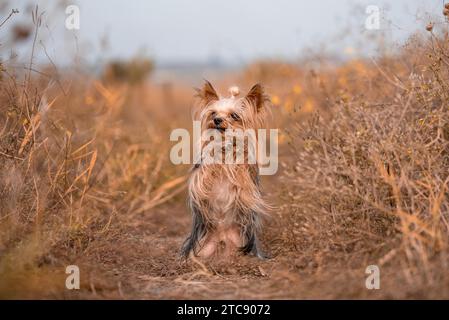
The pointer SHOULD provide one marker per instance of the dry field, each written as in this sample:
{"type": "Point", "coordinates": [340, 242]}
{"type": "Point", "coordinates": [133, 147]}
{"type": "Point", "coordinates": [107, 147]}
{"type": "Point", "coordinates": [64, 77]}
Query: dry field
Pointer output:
{"type": "Point", "coordinates": [85, 179]}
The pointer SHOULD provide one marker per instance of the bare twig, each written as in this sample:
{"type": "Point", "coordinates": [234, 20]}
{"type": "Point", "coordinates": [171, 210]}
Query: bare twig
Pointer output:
{"type": "Point", "coordinates": [13, 11]}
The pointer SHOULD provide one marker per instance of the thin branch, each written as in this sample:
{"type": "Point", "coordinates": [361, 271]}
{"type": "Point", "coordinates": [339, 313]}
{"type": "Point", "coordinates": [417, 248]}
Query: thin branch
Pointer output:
{"type": "Point", "coordinates": [13, 11]}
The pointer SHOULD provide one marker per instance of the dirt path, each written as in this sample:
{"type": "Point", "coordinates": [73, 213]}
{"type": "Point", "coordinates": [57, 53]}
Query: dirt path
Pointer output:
{"type": "Point", "coordinates": [139, 260]}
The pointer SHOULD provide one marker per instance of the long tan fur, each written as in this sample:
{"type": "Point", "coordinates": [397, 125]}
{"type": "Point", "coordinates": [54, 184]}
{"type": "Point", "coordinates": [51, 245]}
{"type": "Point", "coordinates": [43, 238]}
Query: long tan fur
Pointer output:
{"type": "Point", "coordinates": [225, 199]}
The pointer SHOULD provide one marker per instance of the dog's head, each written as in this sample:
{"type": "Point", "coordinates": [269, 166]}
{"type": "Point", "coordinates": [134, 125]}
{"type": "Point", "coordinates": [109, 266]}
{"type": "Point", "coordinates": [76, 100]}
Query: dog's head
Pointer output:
{"type": "Point", "coordinates": [216, 112]}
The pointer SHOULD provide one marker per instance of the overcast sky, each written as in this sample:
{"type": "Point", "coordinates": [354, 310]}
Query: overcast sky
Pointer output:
{"type": "Point", "coordinates": [231, 30]}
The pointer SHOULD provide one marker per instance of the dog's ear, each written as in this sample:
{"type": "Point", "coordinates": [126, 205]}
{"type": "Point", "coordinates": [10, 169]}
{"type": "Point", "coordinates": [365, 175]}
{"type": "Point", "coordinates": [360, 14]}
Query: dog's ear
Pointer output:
{"type": "Point", "coordinates": [256, 96]}
{"type": "Point", "coordinates": [207, 93]}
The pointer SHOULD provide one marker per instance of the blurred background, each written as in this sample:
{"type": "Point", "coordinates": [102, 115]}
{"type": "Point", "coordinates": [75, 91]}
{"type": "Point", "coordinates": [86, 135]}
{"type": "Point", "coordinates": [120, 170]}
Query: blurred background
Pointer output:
{"type": "Point", "coordinates": [186, 40]}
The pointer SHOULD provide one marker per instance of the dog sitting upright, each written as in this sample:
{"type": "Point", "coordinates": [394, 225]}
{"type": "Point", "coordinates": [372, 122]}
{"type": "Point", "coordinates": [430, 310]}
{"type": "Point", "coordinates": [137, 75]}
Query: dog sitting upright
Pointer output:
{"type": "Point", "coordinates": [224, 198]}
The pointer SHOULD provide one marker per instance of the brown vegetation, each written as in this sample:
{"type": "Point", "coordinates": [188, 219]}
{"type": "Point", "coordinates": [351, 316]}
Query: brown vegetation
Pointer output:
{"type": "Point", "coordinates": [85, 179]}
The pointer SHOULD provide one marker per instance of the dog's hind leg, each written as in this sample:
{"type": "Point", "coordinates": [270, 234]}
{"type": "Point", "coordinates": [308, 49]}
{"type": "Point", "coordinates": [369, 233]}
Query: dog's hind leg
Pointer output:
{"type": "Point", "coordinates": [252, 243]}
{"type": "Point", "coordinates": [197, 233]}
{"type": "Point", "coordinates": [253, 247]}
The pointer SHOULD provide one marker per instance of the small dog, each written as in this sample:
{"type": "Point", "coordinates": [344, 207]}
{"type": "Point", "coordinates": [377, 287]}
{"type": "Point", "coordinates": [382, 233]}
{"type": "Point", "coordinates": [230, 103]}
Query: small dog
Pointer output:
{"type": "Point", "coordinates": [225, 199]}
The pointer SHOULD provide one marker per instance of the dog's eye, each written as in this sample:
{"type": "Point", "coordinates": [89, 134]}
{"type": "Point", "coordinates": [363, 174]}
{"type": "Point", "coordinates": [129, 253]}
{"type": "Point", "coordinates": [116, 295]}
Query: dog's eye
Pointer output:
{"type": "Point", "coordinates": [235, 116]}
{"type": "Point", "coordinates": [213, 113]}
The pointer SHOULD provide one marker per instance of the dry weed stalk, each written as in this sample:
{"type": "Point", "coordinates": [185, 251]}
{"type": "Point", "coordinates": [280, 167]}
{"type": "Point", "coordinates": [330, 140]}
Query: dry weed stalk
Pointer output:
{"type": "Point", "coordinates": [373, 181]}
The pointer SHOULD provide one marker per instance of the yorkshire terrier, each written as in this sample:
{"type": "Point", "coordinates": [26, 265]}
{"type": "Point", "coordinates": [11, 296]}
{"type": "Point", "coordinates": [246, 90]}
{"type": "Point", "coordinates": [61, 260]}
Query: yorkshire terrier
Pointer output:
{"type": "Point", "coordinates": [225, 199]}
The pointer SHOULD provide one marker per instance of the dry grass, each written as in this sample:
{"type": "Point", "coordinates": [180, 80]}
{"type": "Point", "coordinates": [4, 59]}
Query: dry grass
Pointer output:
{"type": "Point", "coordinates": [85, 179]}
{"type": "Point", "coordinates": [74, 163]}
{"type": "Point", "coordinates": [368, 184]}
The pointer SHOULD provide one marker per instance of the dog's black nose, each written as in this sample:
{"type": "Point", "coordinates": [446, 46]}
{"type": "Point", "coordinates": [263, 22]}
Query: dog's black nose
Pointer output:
{"type": "Point", "coordinates": [217, 121]}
